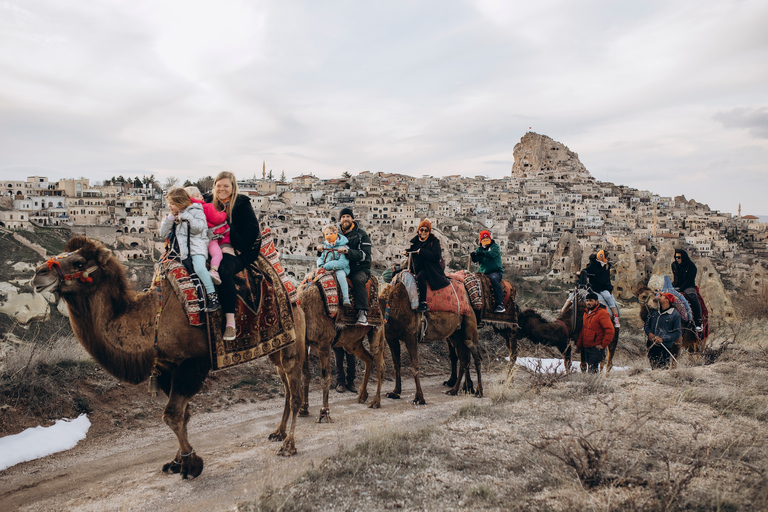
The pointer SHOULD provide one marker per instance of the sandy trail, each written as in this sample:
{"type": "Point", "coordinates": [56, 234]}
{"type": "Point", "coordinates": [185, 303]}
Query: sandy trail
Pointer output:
{"type": "Point", "coordinates": [122, 472]}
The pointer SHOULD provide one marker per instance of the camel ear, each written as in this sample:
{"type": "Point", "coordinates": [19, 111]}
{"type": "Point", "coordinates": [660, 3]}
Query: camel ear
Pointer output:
{"type": "Point", "coordinates": [75, 243]}
{"type": "Point", "coordinates": [103, 256]}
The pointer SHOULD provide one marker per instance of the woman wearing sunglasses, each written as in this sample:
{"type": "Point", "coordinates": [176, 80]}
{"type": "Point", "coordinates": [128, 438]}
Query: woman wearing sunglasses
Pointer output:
{"type": "Point", "coordinates": [684, 273]}
{"type": "Point", "coordinates": [427, 256]}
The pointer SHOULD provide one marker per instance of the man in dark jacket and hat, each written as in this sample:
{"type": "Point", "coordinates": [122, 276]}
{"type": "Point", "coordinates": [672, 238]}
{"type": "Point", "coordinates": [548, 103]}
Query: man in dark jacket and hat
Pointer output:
{"type": "Point", "coordinates": [427, 253]}
{"type": "Point", "coordinates": [488, 255]}
{"type": "Point", "coordinates": [358, 253]}
{"type": "Point", "coordinates": [662, 329]}
{"type": "Point", "coordinates": [596, 332]}
{"type": "Point", "coordinates": [684, 279]}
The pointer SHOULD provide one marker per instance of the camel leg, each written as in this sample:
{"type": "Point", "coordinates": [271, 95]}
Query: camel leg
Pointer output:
{"type": "Point", "coordinates": [473, 342]}
{"type": "Point", "coordinates": [510, 338]}
{"type": "Point", "coordinates": [181, 384]}
{"type": "Point", "coordinates": [567, 358]}
{"type": "Point", "coordinates": [378, 347]}
{"type": "Point", "coordinates": [289, 363]}
{"type": "Point", "coordinates": [176, 415]}
{"type": "Point", "coordinates": [413, 351]}
{"type": "Point", "coordinates": [324, 351]}
{"type": "Point", "coordinates": [583, 363]}
{"type": "Point", "coordinates": [306, 377]}
{"type": "Point", "coordinates": [454, 360]}
{"type": "Point", "coordinates": [394, 349]}
{"type": "Point", "coordinates": [607, 361]}
{"type": "Point", "coordinates": [361, 353]}
{"type": "Point", "coordinates": [463, 354]}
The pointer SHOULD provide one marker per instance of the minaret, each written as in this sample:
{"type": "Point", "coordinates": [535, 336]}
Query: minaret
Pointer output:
{"type": "Point", "coordinates": [655, 202]}
{"type": "Point", "coordinates": [739, 211]}
{"type": "Point", "coordinates": [264, 169]}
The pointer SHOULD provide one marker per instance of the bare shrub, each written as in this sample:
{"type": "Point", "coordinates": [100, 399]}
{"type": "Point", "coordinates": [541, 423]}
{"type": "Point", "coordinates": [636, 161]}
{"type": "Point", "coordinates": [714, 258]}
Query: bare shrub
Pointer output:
{"type": "Point", "coordinates": [38, 372]}
{"type": "Point", "coordinates": [541, 377]}
{"type": "Point", "coordinates": [587, 448]}
{"type": "Point", "coordinates": [754, 304]}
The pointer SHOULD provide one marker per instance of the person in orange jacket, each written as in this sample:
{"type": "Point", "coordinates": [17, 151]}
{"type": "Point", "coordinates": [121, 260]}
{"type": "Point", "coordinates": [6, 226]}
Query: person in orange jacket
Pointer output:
{"type": "Point", "coordinates": [596, 333]}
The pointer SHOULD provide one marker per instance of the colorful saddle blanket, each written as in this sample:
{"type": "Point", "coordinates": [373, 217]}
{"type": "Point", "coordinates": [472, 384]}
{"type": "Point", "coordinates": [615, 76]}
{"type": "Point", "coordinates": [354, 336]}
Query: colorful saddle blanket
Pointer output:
{"type": "Point", "coordinates": [681, 304]}
{"type": "Point", "coordinates": [489, 305]}
{"type": "Point", "coordinates": [270, 253]}
{"type": "Point", "coordinates": [473, 286]}
{"type": "Point", "coordinates": [410, 286]}
{"type": "Point", "coordinates": [452, 299]}
{"type": "Point", "coordinates": [187, 288]}
{"type": "Point", "coordinates": [326, 281]}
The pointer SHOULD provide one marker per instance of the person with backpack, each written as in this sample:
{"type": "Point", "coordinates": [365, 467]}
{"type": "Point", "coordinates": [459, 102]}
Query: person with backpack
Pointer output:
{"type": "Point", "coordinates": [191, 229]}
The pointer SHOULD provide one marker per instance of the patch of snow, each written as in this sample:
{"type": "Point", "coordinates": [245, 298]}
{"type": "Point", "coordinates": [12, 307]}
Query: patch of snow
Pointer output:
{"type": "Point", "coordinates": [38, 442]}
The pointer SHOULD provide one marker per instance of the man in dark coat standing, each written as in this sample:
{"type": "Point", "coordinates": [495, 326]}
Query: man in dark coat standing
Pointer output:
{"type": "Point", "coordinates": [684, 274]}
{"type": "Point", "coordinates": [427, 255]}
{"type": "Point", "coordinates": [596, 333]}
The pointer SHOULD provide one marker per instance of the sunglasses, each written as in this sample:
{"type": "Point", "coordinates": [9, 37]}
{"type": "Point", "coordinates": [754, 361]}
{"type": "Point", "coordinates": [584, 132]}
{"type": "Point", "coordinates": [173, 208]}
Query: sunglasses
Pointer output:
{"type": "Point", "coordinates": [424, 230]}
{"type": "Point", "coordinates": [678, 257]}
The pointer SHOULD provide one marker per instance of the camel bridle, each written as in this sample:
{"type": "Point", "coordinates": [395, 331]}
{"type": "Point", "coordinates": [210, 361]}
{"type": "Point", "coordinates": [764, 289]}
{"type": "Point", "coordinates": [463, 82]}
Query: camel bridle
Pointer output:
{"type": "Point", "coordinates": [83, 275]}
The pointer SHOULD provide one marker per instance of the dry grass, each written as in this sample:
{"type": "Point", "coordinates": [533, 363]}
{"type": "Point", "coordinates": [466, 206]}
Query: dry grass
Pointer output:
{"type": "Point", "coordinates": [684, 439]}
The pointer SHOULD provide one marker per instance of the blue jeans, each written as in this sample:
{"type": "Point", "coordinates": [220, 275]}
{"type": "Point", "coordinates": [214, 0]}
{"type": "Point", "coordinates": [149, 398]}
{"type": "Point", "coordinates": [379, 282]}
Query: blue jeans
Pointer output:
{"type": "Point", "coordinates": [495, 278]}
{"type": "Point", "coordinates": [610, 301]}
{"type": "Point", "coordinates": [198, 262]}
{"type": "Point", "coordinates": [341, 277]}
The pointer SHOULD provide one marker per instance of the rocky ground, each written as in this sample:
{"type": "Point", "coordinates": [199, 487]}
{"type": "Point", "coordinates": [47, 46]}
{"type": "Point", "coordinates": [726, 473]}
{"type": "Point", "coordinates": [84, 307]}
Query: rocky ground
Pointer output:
{"type": "Point", "coordinates": [690, 438]}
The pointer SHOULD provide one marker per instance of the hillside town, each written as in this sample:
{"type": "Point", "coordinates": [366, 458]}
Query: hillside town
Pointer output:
{"type": "Point", "coordinates": [547, 216]}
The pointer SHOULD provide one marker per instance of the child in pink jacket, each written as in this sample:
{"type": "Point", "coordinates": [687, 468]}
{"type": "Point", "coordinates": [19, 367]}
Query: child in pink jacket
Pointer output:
{"type": "Point", "coordinates": [218, 220]}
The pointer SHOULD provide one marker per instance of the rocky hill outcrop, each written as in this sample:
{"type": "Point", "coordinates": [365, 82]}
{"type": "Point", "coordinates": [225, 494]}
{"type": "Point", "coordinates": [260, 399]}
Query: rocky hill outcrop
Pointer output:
{"type": "Point", "coordinates": [538, 156]}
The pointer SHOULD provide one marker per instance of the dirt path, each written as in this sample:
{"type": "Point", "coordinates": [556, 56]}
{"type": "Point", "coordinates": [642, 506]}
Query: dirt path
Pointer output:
{"type": "Point", "coordinates": [123, 471]}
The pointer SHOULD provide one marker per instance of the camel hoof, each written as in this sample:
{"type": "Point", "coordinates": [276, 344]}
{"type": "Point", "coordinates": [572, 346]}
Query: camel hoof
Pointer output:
{"type": "Point", "coordinates": [376, 404]}
{"type": "Point", "coordinates": [362, 398]}
{"type": "Point", "coordinates": [172, 467]}
{"type": "Point", "coordinates": [325, 416]}
{"type": "Point", "coordinates": [191, 466]}
{"type": "Point", "coordinates": [276, 436]}
{"type": "Point", "coordinates": [304, 411]}
{"type": "Point", "coordinates": [393, 395]}
{"type": "Point", "coordinates": [451, 392]}
{"type": "Point", "coordinates": [418, 401]}
{"type": "Point", "coordinates": [449, 383]}
{"type": "Point", "coordinates": [288, 449]}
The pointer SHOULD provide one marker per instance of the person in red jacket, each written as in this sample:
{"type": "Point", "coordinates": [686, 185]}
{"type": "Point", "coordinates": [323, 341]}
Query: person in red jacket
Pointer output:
{"type": "Point", "coordinates": [596, 333]}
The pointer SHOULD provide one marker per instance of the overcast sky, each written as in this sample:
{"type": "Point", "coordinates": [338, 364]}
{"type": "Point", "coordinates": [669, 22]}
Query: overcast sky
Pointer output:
{"type": "Point", "coordinates": [668, 96]}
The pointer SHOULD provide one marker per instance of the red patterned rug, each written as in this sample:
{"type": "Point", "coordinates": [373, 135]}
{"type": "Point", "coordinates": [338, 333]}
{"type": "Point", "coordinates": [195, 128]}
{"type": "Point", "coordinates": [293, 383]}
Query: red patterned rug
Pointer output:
{"type": "Point", "coordinates": [453, 299]}
{"type": "Point", "coordinates": [184, 287]}
{"type": "Point", "coordinates": [270, 253]}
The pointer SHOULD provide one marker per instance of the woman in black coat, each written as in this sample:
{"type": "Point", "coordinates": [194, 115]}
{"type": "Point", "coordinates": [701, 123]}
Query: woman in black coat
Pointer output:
{"type": "Point", "coordinates": [245, 236]}
{"type": "Point", "coordinates": [427, 254]}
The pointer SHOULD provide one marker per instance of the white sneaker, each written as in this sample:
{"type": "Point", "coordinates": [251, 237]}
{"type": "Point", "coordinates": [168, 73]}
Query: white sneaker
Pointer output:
{"type": "Point", "coordinates": [699, 328]}
{"type": "Point", "coordinates": [616, 323]}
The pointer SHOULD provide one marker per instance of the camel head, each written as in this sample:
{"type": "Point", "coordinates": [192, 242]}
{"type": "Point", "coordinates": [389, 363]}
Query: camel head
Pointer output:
{"type": "Point", "coordinates": [79, 270]}
{"type": "Point", "coordinates": [647, 297]}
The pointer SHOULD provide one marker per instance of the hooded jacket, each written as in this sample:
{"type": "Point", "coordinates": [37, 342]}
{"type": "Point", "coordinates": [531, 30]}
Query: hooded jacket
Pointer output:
{"type": "Point", "coordinates": [684, 273]}
{"type": "Point", "coordinates": [489, 258]}
{"type": "Point", "coordinates": [198, 228]}
{"type": "Point", "coordinates": [597, 329]}
{"type": "Point", "coordinates": [428, 260]}
{"type": "Point", "coordinates": [599, 275]}
{"type": "Point", "coordinates": [332, 260]}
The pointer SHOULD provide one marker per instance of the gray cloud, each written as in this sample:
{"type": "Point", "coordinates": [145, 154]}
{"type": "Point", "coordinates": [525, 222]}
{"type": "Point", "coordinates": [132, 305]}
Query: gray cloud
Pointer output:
{"type": "Point", "coordinates": [754, 120]}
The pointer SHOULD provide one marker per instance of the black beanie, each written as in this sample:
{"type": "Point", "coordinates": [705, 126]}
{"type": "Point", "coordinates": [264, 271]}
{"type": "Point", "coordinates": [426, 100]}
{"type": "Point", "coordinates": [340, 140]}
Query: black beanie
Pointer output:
{"type": "Point", "coordinates": [591, 295]}
{"type": "Point", "coordinates": [346, 211]}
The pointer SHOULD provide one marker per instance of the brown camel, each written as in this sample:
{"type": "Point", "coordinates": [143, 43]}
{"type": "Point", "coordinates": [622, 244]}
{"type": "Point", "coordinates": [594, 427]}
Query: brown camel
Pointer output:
{"type": "Point", "coordinates": [405, 325]}
{"type": "Point", "coordinates": [322, 334]}
{"type": "Point", "coordinates": [503, 324]}
{"type": "Point", "coordinates": [557, 333]}
{"type": "Point", "coordinates": [117, 327]}
{"type": "Point", "coordinates": [689, 341]}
